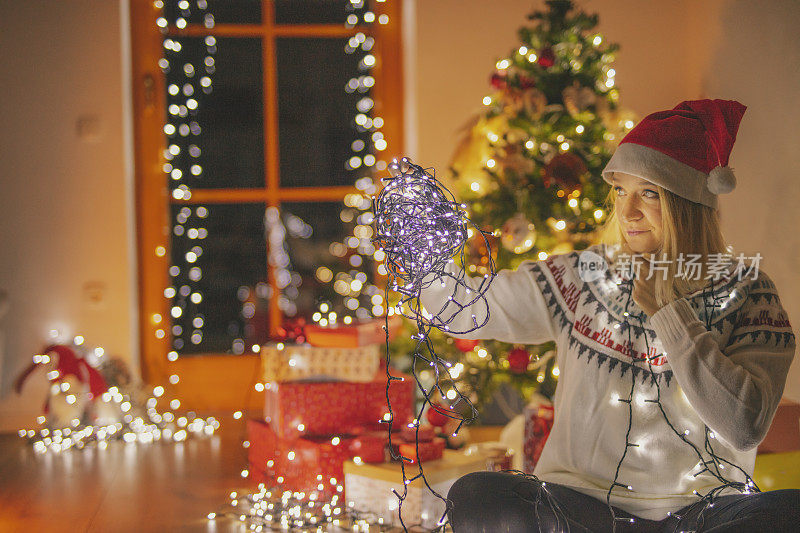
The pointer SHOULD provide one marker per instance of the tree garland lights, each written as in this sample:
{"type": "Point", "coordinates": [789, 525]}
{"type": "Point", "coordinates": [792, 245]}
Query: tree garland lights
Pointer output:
{"type": "Point", "coordinates": [420, 227]}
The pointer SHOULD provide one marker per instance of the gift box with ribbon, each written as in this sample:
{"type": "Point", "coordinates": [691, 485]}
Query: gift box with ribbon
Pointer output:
{"type": "Point", "coordinates": [354, 335]}
{"type": "Point", "coordinates": [295, 362]}
{"type": "Point", "coordinates": [310, 464]}
{"type": "Point", "coordinates": [294, 409]}
{"type": "Point", "coordinates": [538, 423]}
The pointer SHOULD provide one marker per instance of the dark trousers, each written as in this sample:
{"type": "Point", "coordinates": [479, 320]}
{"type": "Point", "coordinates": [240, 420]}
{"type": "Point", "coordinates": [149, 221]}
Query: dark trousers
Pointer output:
{"type": "Point", "coordinates": [513, 503]}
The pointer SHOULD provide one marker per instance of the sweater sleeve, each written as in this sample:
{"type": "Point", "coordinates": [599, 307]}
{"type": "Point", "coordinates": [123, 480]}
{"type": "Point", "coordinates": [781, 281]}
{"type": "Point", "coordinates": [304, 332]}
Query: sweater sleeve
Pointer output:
{"type": "Point", "coordinates": [520, 304]}
{"type": "Point", "coordinates": [734, 389]}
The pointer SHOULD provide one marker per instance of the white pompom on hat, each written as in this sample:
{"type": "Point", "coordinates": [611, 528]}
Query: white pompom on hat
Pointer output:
{"type": "Point", "coordinates": [685, 149]}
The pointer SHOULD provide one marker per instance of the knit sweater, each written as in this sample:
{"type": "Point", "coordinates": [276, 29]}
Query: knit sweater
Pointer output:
{"type": "Point", "coordinates": [723, 368]}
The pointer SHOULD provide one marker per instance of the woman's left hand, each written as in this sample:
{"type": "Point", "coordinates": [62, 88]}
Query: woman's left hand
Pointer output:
{"type": "Point", "coordinates": [644, 289]}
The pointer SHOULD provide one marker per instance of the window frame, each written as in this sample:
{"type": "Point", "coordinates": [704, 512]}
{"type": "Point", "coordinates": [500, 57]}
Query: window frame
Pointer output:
{"type": "Point", "coordinates": [215, 381]}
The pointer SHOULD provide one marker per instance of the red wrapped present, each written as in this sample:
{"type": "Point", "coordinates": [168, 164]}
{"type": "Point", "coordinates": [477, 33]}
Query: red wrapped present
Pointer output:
{"type": "Point", "coordinates": [538, 423]}
{"type": "Point", "coordinates": [370, 446]}
{"type": "Point", "coordinates": [312, 464]}
{"type": "Point", "coordinates": [423, 451]}
{"type": "Point", "coordinates": [333, 408]}
{"type": "Point", "coordinates": [409, 433]}
{"type": "Point", "coordinates": [352, 335]}
{"type": "Point", "coordinates": [784, 433]}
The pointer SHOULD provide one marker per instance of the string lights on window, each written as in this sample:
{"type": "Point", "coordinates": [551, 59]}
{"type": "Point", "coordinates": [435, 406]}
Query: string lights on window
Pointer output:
{"type": "Point", "coordinates": [187, 83]}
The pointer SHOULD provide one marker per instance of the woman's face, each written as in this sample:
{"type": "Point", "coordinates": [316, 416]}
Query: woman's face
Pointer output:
{"type": "Point", "coordinates": [638, 208]}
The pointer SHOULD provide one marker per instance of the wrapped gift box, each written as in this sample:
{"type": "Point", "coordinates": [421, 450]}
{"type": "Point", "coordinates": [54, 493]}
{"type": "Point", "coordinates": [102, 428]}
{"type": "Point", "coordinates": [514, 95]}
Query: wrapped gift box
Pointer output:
{"type": "Point", "coordinates": [411, 433]}
{"type": "Point", "coordinates": [353, 335]}
{"type": "Point", "coordinates": [423, 451]}
{"type": "Point", "coordinates": [292, 362]}
{"type": "Point", "coordinates": [368, 487]}
{"type": "Point", "coordinates": [332, 408]}
{"type": "Point", "coordinates": [538, 422]}
{"type": "Point", "coordinates": [313, 464]}
{"type": "Point", "coordinates": [784, 433]}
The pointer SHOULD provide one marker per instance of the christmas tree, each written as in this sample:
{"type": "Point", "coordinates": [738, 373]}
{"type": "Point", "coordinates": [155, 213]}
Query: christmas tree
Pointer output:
{"type": "Point", "coordinates": [529, 168]}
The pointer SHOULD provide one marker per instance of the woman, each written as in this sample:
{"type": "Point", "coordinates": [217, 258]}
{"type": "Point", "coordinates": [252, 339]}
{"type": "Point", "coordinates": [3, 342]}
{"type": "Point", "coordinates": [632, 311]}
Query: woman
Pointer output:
{"type": "Point", "coordinates": [671, 370]}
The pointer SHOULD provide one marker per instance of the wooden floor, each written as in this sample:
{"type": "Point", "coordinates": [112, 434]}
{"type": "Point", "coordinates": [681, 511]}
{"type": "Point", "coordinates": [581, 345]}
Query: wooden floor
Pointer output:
{"type": "Point", "coordinates": [171, 487]}
{"type": "Point", "coordinates": [160, 487]}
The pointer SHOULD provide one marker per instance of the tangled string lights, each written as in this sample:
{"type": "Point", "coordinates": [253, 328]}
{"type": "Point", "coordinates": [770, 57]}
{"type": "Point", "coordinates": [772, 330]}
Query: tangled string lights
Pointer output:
{"type": "Point", "coordinates": [714, 464]}
{"type": "Point", "coordinates": [423, 231]}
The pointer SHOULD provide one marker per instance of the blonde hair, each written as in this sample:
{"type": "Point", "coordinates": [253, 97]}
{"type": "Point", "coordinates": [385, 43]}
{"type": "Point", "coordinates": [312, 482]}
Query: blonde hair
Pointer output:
{"type": "Point", "coordinates": [687, 228]}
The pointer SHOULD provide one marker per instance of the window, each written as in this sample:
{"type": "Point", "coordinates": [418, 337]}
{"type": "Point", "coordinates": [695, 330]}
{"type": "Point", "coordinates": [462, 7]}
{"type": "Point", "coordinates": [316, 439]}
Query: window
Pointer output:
{"type": "Point", "coordinates": [253, 120]}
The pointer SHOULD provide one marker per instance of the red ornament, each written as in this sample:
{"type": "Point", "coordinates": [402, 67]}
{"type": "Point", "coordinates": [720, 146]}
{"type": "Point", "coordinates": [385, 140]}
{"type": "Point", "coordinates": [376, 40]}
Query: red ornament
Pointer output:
{"type": "Point", "coordinates": [498, 81]}
{"type": "Point", "coordinates": [436, 415]}
{"type": "Point", "coordinates": [526, 82]}
{"type": "Point", "coordinates": [546, 58]}
{"type": "Point", "coordinates": [518, 360]}
{"type": "Point", "coordinates": [466, 345]}
{"type": "Point", "coordinates": [564, 170]}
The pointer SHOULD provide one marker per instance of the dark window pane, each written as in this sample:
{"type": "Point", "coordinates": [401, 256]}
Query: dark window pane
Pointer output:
{"type": "Point", "coordinates": [316, 112]}
{"type": "Point", "coordinates": [313, 11]}
{"type": "Point", "coordinates": [220, 11]}
{"type": "Point", "coordinates": [329, 262]}
{"type": "Point", "coordinates": [219, 278]}
{"type": "Point", "coordinates": [215, 110]}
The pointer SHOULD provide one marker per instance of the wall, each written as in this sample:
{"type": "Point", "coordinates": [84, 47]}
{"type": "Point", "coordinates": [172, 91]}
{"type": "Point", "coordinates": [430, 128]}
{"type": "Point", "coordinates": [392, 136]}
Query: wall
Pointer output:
{"type": "Point", "coordinates": [670, 51]}
{"type": "Point", "coordinates": [65, 194]}
{"type": "Point", "coordinates": [756, 60]}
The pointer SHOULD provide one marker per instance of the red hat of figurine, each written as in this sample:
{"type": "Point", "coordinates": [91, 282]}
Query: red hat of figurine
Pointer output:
{"type": "Point", "coordinates": [685, 149]}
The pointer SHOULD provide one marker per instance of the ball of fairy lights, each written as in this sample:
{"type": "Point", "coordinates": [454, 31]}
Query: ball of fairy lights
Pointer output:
{"type": "Point", "coordinates": [418, 224]}
{"type": "Point", "coordinates": [421, 229]}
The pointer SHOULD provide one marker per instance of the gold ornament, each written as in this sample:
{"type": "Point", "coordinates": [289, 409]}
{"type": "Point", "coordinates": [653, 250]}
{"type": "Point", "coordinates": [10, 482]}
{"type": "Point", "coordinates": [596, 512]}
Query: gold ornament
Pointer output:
{"type": "Point", "coordinates": [518, 234]}
{"type": "Point", "coordinates": [532, 101]}
{"type": "Point", "coordinates": [577, 98]}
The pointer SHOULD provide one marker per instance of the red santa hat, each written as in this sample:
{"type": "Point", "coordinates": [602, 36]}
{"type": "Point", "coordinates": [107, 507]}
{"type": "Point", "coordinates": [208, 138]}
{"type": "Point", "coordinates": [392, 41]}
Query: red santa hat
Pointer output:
{"type": "Point", "coordinates": [684, 150]}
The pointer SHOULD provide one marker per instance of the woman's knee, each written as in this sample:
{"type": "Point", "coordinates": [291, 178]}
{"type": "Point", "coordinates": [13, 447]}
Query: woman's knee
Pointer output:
{"type": "Point", "coordinates": [490, 501]}
{"type": "Point", "coordinates": [469, 486]}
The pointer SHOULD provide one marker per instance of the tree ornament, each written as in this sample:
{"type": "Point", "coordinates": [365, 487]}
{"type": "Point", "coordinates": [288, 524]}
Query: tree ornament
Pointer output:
{"type": "Point", "coordinates": [513, 159]}
{"type": "Point", "coordinates": [577, 98]}
{"type": "Point", "coordinates": [526, 82]}
{"type": "Point", "coordinates": [546, 58]}
{"type": "Point", "coordinates": [721, 180]}
{"type": "Point", "coordinates": [518, 234]}
{"type": "Point", "coordinates": [531, 101]}
{"type": "Point", "coordinates": [466, 345]}
{"type": "Point", "coordinates": [564, 170]}
{"type": "Point", "coordinates": [518, 359]}
{"type": "Point", "coordinates": [499, 81]}
{"type": "Point", "coordinates": [436, 416]}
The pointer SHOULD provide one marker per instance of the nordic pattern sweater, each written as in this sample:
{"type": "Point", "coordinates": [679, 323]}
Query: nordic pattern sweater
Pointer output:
{"type": "Point", "coordinates": [721, 368]}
